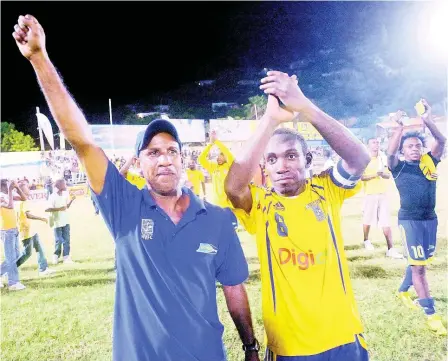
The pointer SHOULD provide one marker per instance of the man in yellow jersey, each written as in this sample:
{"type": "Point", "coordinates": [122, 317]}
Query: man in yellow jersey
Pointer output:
{"type": "Point", "coordinates": [218, 170]}
{"type": "Point", "coordinates": [376, 203]}
{"type": "Point", "coordinates": [196, 179]}
{"type": "Point", "coordinates": [309, 309]}
{"type": "Point", "coordinates": [131, 171]}
{"type": "Point", "coordinates": [9, 233]}
{"type": "Point", "coordinates": [28, 236]}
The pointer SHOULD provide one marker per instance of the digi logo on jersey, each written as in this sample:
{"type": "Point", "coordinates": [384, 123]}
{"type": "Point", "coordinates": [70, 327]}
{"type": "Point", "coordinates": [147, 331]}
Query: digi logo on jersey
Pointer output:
{"type": "Point", "coordinates": [302, 260]}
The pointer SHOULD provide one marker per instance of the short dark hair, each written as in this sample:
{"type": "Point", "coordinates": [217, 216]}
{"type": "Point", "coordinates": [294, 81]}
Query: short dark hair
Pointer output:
{"type": "Point", "coordinates": [370, 138]}
{"type": "Point", "coordinates": [327, 153]}
{"type": "Point", "coordinates": [289, 134]}
{"type": "Point", "coordinates": [412, 135]}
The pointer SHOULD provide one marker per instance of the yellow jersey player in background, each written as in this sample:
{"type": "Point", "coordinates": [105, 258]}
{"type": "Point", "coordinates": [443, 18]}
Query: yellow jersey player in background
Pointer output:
{"type": "Point", "coordinates": [196, 179]}
{"type": "Point", "coordinates": [218, 170]}
{"type": "Point", "coordinates": [309, 309]}
{"type": "Point", "coordinates": [131, 171]}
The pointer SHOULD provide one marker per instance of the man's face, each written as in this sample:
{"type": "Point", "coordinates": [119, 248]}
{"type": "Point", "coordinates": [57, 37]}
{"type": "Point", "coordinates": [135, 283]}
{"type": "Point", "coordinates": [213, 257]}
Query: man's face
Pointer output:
{"type": "Point", "coordinates": [4, 185]}
{"type": "Point", "coordinates": [221, 159]}
{"type": "Point", "coordinates": [192, 164]}
{"type": "Point", "coordinates": [24, 188]}
{"type": "Point", "coordinates": [412, 149]}
{"type": "Point", "coordinates": [285, 165]}
{"type": "Point", "coordinates": [161, 164]}
{"type": "Point", "coordinates": [373, 145]}
{"type": "Point", "coordinates": [61, 185]}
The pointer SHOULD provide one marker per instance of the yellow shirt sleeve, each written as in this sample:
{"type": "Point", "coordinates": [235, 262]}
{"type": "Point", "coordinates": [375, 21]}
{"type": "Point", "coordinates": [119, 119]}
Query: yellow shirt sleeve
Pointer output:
{"type": "Point", "coordinates": [330, 190]}
{"type": "Point", "coordinates": [203, 160]}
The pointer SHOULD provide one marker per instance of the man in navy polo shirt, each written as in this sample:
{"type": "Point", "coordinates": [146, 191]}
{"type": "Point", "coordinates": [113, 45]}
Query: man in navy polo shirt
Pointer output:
{"type": "Point", "coordinates": [171, 247]}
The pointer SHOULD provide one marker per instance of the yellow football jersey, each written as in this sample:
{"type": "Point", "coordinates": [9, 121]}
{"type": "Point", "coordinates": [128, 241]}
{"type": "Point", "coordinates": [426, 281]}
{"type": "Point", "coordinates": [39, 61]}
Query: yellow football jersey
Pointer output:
{"type": "Point", "coordinates": [217, 172]}
{"type": "Point", "coordinates": [308, 301]}
{"type": "Point", "coordinates": [196, 177]}
{"type": "Point", "coordinates": [136, 179]}
{"type": "Point", "coordinates": [377, 185]}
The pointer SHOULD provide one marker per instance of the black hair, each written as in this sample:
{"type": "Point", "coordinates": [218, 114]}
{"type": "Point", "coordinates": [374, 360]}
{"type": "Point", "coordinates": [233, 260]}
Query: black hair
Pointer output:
{"type": "Point", "coordinates": [289, 134]}
{"type": "Point", "coordinates": [412, 135]}
{"type": "Point", "coordinates": [370, 138]}
{"type": "Point", "coordinates": [327, 153]}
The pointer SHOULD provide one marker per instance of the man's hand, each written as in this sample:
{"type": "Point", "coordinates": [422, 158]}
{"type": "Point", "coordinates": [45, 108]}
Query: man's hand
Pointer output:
{"type": "Point", "coordinates": [286, 88]}
{"type": "Point", "coordinates": [428, 114]}
{"type": "Point", "coordinates": [276, 112]}
{"type": "Point", "coordinates": [13, 185]}
{"type": "Point", "coordinates": [398, 117]}
{"type": "Point", "coordinates": [29, 36]}
{"type": "Point", "coordinates": [213, 136]}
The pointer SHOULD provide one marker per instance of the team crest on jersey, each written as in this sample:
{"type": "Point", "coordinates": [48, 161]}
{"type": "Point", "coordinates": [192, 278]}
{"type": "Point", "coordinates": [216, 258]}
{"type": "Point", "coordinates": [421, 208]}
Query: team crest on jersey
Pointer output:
{"type": "Point", "coordinates": [147, 228]}
{"type": "Point", "coordinates": [315, 206]}
{"type": "Point", "coordinates": [279, 207]}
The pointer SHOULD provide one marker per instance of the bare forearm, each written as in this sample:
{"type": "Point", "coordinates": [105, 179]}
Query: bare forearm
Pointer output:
{"type": "Point", "coordinates": [354, 154]}
{"type": "Point", "coordinates": [32, 216]}
{"type": "Point", "coordinates": [247, 162]}
{"type": "Point", "coordinates": [238, 306]}
{"type": "Point", "coordinates": [71, 121]}
{"type": "Point", "coordinates": [55, 209]}
{"type": "Point", "coordinates": [367, 178]}
{"type": "Point", "coordinates": [68, 116]}
{"type": "Point", "coordinates": [22, 195]}
{"type": "Point", "coordinates": [436, 133]}
{"type": "Point", "coordinates": [126, 166]}
{"type": "Point", "coordinates": [392, 149]}
{"type": "Point", "coordinates": [203, 189]}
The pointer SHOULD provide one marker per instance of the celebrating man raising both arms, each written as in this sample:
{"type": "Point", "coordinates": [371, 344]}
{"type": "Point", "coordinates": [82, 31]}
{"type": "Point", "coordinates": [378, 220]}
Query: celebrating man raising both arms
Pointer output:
{"type": "Point", "coordinates": [171, 247]}
{"type": "Point", "coordinates": [309, 310]}
{"type": "Point", "coordinates": [415, 178]}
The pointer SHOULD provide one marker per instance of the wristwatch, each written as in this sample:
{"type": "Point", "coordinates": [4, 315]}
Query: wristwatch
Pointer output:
{"type": "Point", "coordinates": [254, 346]}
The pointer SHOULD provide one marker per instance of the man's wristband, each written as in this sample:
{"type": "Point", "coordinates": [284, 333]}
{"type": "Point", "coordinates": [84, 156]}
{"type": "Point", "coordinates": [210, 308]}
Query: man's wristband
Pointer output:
{"type": "Point", "coordinates": [253, 347]}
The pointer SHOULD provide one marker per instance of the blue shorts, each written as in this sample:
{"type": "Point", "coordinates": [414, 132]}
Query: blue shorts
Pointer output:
{"type": "Point", "coordinates": [356, 351]}
{"type": "Point", "coordinates": [419, 240]}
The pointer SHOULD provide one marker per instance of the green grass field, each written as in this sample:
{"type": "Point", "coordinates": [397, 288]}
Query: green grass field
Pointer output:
{"type": "Point", "coordinates": [69, 316]}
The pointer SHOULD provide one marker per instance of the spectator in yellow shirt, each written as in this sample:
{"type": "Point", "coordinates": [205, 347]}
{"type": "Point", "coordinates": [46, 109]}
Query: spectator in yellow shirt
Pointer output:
{"type": "Point", "coordinates": [376, 203]}
{"type": "Point", "coordinates": [196, 179]}
{"type": "Point", "coordinates": [217, 169]}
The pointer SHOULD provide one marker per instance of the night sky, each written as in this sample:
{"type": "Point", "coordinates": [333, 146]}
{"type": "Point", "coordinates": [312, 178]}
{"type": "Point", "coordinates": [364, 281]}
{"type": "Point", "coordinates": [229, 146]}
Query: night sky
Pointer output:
{"type": "Point", "coordinates": [142, 51]}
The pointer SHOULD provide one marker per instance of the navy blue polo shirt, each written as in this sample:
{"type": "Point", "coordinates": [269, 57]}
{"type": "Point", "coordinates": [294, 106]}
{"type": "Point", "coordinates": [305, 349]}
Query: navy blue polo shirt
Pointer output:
{"type": "Point", "coordinates": [165, 300]}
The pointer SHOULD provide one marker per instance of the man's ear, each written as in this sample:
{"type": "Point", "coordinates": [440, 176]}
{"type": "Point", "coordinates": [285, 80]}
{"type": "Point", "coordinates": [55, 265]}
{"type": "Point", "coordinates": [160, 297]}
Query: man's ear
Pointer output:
{"type": "Point", "coordinates": [309, 159]}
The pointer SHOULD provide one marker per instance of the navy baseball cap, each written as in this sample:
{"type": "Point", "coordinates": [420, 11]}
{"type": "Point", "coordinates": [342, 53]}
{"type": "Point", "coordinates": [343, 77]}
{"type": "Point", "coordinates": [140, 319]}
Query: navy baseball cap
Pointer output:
{"type": "Point", "coordinates": [155, 127]}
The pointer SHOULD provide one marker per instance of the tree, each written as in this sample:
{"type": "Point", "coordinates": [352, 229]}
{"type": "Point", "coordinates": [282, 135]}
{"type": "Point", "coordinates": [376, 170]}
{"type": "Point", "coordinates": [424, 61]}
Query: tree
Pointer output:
{"type": "Point", "coordinates": [14, 141]}
{"type": "Point", "coordinates": [253, 110]}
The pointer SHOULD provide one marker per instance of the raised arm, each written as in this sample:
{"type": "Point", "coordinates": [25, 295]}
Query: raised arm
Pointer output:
{"type": "Point", "coordinates": [248, 159]}
{"type": "Point", "coordinates": [124, 170]}
{"type": "Point", "coordinates": [30, 39]}
{"type": "Point", "coordinates": [227, 153]}
{"type": "Point", "coordinates": [353, 153]}
{"type": "Point", "coordinates": [394, 141]}
{"type": "Point", "coordinates": [203, 158]}
{"type": "Point", "coordinates": [439, 139]}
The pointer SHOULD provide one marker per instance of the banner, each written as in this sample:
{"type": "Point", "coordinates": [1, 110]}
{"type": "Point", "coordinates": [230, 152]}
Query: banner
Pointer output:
{"type": "Point", "coordinates": [41, 194]}
{"type": "Point", "coordinates": [45, 125]}
{"type": "Point", "coordinates": [123, 137]}
{"type": "Point", "coordinates": [232, 130]}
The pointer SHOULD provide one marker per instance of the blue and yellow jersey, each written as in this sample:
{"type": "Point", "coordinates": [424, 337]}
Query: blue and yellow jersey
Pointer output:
{"type": "Point", "coordinates": [307, 296]}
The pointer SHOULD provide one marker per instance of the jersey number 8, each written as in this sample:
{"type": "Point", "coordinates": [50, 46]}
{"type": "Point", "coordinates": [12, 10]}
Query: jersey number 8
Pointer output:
{"type": "Point", "coordinates": [282, 229]}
